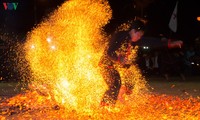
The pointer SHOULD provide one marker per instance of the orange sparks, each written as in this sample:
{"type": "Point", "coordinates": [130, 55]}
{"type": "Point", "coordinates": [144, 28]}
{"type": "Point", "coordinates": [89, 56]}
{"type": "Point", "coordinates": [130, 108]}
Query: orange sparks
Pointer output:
{"type": "Point", "coordinates": [64, 51]}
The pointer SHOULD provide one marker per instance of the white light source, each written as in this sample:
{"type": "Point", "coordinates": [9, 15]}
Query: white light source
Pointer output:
{"type": "Point", "coordinates": [53, 47]}
{"type": "Point", "coordinates": [49, 39]}
{"type": "Point", "coordinates": [32, 46]}
{"type": "Point", "coordinates": [145, 47]}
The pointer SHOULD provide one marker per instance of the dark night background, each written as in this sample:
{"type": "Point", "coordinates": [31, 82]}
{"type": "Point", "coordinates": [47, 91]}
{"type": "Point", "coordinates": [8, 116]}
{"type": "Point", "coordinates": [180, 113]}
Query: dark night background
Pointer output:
{"type": "Point", "coordinates": [157, 12]}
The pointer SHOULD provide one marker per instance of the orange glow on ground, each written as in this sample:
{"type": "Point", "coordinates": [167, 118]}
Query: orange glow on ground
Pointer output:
{"type": "Point", "coordinates": [65, 82]}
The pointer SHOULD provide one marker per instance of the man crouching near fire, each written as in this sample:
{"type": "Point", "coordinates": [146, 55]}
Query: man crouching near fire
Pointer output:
{"type": "Point", "coordinates": [117, 54]}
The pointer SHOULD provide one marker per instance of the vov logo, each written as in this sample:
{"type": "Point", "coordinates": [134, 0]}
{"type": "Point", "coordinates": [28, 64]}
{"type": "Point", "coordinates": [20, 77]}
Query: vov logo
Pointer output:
{"type": "Point", "coordinates": [10, 6]}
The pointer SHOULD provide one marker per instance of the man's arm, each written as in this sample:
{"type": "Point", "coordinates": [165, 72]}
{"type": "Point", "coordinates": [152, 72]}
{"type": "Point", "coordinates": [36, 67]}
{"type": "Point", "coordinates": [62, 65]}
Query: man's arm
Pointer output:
{"type": "Point", "coordinates": [175, 44]}
{"type": "Point", "coordinates": [154, 42]}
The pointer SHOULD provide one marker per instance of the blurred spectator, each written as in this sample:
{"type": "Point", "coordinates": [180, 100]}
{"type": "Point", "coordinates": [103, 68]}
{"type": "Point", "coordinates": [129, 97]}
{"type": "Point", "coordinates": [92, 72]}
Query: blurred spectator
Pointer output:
{"type": "Point", "coordinates": [172, 63]}
{"type": "Point", "coordinates": [155, 63]}
{"type": "Point", "coordinates": [189, 53]}
{"type": "Point", "coordinates": [197, 46]}
{"type": "Point", "coordinates": [151, 62]}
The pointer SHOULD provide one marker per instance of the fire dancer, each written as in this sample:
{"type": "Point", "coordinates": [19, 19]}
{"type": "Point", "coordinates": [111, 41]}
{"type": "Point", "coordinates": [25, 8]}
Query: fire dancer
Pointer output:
{"type": "Point", "coordinates": [118, 55]}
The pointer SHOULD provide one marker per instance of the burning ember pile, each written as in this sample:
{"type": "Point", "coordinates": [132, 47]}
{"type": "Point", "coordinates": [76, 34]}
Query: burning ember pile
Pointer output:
{"type": "Point", "coordinates": [65, 81]}
{"type": "Point", "coordinates": [33, 105]}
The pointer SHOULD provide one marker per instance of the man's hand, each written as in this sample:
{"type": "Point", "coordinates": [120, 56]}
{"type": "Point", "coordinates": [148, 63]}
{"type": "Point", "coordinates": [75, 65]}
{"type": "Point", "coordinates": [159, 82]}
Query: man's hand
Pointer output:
{"type": "Point", "coordinates": [124, 91]}
{"type": "Point", "coordinates": [123, 62]}
{"type": "Point", "coordinates": [175, 44]}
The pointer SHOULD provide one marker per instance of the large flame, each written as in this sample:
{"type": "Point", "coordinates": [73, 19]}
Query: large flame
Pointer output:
{"type": "Point", "coordinates": [64, 51]}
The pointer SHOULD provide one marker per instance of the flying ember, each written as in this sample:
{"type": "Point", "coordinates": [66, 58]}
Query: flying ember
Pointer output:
{"type": "Point", "coordinates": [65, 81]}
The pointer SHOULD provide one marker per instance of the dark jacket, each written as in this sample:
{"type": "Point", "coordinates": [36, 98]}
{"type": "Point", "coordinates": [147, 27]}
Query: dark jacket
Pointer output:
{"type": "Point", "coordinates": [119, 44]}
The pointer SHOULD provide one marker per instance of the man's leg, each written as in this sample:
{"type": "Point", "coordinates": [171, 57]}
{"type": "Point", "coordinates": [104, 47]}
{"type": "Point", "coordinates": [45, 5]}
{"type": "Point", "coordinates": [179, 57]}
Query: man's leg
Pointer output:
{"type": "Point", "coordinates": [113, 81]}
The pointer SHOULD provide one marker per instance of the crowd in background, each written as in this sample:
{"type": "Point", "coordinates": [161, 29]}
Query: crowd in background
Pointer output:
{"type": "Point", "coordinates": [183, 62]}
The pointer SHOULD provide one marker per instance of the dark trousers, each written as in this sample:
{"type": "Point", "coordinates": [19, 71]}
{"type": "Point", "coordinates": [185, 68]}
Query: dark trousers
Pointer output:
{"type": "Point", "coordinates": [112, 79]}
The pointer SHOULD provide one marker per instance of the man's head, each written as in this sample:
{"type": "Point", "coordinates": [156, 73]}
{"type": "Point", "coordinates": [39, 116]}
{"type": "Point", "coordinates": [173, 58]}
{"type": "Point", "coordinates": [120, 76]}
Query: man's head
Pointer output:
{"type": "Point", "coordinates": [137, 30]}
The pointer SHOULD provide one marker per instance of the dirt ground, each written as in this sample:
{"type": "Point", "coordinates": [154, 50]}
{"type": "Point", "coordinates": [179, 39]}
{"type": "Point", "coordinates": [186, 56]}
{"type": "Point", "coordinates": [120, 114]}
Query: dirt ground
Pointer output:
{"type": "Point", "coordinates": [176, 87]}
